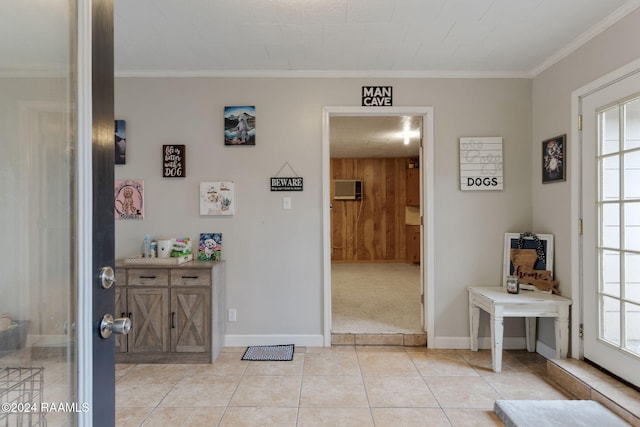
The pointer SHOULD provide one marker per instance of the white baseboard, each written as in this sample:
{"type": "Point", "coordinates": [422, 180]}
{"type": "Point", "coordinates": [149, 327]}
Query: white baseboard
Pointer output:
{"type": "Point", "coordinates": [484, 343]}
{"type": "Point", "coordinates": [453, 343]}
{"type": "Point", "coordinates": [248, 340]}
{"type": "Point", "coordinates": [545, 350]}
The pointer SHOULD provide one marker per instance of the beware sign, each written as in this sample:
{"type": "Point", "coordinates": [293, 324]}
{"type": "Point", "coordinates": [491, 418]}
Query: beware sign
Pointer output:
{"type": "Point", "coordinates": [377, 96]}
{"type": "Point", "coordinates": [286, 183]}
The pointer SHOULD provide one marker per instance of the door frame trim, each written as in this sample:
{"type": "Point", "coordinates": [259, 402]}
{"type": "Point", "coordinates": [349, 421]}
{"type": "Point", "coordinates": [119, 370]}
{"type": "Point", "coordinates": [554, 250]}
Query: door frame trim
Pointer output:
{"type": "Point", "coordinates": [427, 261]}
{"type": "Point", "coordinates": [84, 212]}
{"type": "Point", "coordinates": [577, 318]}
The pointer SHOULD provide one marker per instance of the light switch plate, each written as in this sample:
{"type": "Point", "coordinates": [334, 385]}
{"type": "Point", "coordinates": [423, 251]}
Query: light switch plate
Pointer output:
{"type": "Point", "coordinates": [286, 203]}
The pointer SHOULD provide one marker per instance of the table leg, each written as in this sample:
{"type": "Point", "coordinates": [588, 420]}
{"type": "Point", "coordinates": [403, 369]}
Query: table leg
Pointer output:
{"type": "Point", "coordinates": [497, 332]}
{"type": "Point", "coordinates": [474, 324]}
{"type": "Point", "coordinates": [530, 328]}
{"type": "Point", "coordinates": [562, 332]}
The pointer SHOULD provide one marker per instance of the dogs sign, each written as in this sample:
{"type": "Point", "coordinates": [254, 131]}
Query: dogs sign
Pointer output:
{"type": "Point", "coordinates": [481, 164]}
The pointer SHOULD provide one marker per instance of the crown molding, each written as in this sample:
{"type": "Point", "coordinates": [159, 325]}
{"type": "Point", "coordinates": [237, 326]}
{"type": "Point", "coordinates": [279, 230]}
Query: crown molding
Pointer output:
{"type": "Point", "coordinates": [338, 74]}
{"type": "Point", "coordinates": [588, 35]}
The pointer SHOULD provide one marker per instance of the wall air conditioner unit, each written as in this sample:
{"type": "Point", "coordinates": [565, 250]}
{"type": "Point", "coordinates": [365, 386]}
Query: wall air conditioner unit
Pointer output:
{"type": "Point", "coordinates": [347, 189]}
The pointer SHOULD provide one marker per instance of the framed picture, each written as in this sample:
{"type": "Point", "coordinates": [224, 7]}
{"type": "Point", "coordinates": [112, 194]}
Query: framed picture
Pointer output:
{"type": "Point", "coordinates": [174, 162]}
{"type": "Point", "coordinates": [553, 159]}
{"type": "Point", "coordinates": [217, 198]}
{"type": "Point", "coordinates": [530, 257]}
{"type": "Point", "coordinates": [129, 199]}
{"type": "Point", "coordinates": [210, 247]}
{"type": "Point", "coordinates": [240, 125]}
{"type": "Point", "coordinates": [120, 136]}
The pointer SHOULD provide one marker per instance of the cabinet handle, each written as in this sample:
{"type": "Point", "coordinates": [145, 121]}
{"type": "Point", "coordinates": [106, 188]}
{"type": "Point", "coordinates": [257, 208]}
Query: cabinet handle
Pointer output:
{"type": "Point", "coordinates": [173, 320]}
{"type": "Point", "coordinates": [147, 277]}
{"type": "Point", "coordinates": [189, 277]}
{"type": "Point", "coordinates": [130, 316]}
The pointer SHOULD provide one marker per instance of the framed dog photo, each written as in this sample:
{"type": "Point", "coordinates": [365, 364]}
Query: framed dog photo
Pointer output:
{"type": "Point", "coordinates": [210, 247]}
{"type": "Point", "coordinates": [240, 125]}
{"type": "Point", "coordinates": [554, 159]}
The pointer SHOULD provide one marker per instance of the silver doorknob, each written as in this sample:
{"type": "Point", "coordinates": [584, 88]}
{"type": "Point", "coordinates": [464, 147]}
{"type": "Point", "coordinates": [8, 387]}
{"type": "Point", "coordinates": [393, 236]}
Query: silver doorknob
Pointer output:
{"type": "Point", "coordinates": [109, 325]}
{"type": "Point", "coordinates": [107, 277]}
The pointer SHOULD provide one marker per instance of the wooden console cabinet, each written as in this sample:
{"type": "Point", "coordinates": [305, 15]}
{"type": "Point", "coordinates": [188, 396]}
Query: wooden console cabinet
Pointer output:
{"type": "Point", "coordinates": [177, 312]}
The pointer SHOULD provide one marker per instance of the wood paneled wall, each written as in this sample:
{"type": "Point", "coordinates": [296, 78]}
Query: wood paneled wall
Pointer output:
{"type": "Point", "coordinates": [371, 229]}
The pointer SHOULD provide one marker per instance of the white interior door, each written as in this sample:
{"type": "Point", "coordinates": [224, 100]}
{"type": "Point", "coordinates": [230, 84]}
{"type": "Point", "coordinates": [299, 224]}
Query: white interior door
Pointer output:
{"type": "Point", "coordinates": [611, 218]}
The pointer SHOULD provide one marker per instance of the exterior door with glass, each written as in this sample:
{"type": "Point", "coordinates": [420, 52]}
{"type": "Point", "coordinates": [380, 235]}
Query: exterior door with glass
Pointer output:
{"type": "Point", "coordinates": [611, 218]}
{"type": "Point", "coordinates": [56, 212]}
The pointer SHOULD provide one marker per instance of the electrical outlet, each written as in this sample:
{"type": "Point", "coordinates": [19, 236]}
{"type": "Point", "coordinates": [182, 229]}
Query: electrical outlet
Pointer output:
{"type": "Point", "coordinates": [232, 315]}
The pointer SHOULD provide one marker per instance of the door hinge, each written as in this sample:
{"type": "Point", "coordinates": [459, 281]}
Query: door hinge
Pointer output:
{"type": "Point", "coordinates": [422, 299]}
{"type": "Point", "coordinates": [421, 220]}
{"type": "Point", "coordinates": [581, 330]}
{"type": "Point", "coordinates": [580, 227]}
{"type": "Point", "coordinates": [579, 121]}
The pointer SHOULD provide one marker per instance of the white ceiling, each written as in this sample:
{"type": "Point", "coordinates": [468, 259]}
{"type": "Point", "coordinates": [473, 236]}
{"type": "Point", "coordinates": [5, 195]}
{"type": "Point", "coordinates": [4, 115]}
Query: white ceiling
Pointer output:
{"type": "Point", "coordinates": [333, 38]}
{"type": "Point", "coordinates": [395, 38]}
{"type": "Point", "coordinates": [450, 37]}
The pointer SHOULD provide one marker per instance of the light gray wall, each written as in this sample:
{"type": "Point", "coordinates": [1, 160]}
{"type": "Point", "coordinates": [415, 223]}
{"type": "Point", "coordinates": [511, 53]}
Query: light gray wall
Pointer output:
{"type": "Point", "coordinates": [274, 256]}
{"type": "Point", "coordinates": [552, 90]}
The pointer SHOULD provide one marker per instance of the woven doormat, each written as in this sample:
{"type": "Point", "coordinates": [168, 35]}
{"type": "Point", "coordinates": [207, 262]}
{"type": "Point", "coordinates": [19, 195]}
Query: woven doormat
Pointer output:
{"type": "Point", "coordinates": [269, 352]}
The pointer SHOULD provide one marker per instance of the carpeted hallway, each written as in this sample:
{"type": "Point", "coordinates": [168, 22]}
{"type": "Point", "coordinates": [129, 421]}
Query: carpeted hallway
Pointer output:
{"type": "Point", "coordinates": [376, 298]}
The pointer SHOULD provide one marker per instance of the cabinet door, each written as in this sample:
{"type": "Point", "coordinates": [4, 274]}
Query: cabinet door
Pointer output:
{"type": "Point", "coordinates": [121, 311]}
{"type": "Point", "coordinates": [149, 310]}
{"type": "Point", "coordinates": [413, 243]}
{"type": "Point", "coordinates": [413, 187]}
{"type": "Point", "coordinates": [191, 320]}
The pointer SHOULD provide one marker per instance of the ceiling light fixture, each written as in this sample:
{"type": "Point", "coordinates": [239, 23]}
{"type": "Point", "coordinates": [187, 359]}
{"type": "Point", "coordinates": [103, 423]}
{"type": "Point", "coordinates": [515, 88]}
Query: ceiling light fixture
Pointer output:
{"type": "Point", "coordinates": [407, 133]}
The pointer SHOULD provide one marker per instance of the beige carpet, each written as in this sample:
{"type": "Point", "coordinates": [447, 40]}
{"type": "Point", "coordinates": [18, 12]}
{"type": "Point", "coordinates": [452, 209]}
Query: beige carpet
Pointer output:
{"type": "Point", "coordinates": [375, 298]}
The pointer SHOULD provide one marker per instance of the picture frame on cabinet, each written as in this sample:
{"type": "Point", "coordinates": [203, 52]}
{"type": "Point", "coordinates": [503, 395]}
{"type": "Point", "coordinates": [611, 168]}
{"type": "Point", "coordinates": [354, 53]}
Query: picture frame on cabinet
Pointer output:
{"type": "Point", "coordinates": [210, 247]}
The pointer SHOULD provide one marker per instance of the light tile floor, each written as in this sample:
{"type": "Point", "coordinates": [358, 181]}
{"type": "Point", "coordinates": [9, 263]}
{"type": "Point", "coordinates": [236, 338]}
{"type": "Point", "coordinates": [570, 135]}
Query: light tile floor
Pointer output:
{"type": "Point", "coordinates": [344, 385]}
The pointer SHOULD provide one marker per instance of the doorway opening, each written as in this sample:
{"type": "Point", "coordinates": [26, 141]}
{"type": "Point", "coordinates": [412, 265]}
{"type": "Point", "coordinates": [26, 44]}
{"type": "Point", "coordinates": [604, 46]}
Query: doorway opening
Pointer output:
{"type": "Point", "coordinates": [376, 282]}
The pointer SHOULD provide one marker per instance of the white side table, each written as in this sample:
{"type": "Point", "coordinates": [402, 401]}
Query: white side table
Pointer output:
{"type": "Point", "coordinates": [496, 301]}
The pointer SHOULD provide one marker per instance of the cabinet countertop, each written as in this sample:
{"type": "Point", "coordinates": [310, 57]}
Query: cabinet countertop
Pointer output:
{"type": "Point", "coordinates": [191, 264]}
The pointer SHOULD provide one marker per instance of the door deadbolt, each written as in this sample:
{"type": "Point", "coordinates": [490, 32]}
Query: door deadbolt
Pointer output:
{"type": "Point", "coordinates": [109, 325]}
{"type": "Point", "coordinates": [107, 277]}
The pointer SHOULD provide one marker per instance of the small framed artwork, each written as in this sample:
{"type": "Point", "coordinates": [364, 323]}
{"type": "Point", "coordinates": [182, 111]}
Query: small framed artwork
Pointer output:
{"type": "Point", "coordinates": [553, 159]}
{"type": "Point", "coordinates": [240, 125]}
{"type": "Point", "coordinates": [217, 198]}
{"type": "Point", "coordinates": [174, 163]}
{"type": "Point", "coordinates": [120, 142]}
{"type": "Point", "coordinates": [129, 199]}
{"type": "Point", "coordinates": [210, 247]}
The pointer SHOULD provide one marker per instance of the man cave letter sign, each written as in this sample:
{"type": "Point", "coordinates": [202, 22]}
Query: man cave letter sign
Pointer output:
{"type": "Point", "coordinates": [376, 96]}
{"type": "Point", "coordinates": [481, 164]}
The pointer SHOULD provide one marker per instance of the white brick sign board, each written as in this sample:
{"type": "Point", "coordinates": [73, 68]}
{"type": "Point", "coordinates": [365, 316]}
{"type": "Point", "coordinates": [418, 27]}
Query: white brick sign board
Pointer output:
{"type": "Point", "coordinates": [481, 164]}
